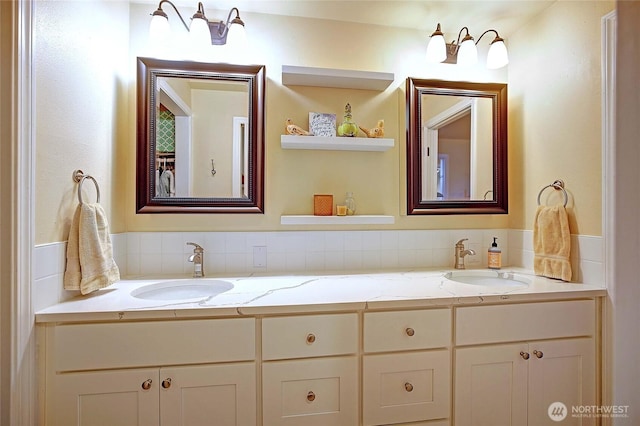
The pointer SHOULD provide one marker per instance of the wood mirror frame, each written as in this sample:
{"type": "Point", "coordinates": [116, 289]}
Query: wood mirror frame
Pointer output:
{"type": "Point", "coordinates": [148, 71]}
{"type": "Point", "coordinates": [416, 205]}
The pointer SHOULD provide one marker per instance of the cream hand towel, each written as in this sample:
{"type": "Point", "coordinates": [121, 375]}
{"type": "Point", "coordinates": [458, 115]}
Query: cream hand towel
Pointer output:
{"type": "Point", "coordinates": [552, 243]}
{"type": "Point", "coordinates": [90, 264]}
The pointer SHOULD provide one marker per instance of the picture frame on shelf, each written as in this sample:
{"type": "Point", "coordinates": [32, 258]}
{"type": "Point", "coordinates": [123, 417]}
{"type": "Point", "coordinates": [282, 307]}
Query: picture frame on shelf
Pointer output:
{"type": "Point", "coordinates": [322, 124]}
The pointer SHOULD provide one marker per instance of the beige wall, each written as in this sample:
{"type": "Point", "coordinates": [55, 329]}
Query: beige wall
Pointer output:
{"type": "Point", "coordinates": [554, 113]}
{"type": "Point", "coordinates": [293, 176]}
{"type": "Point", "coordinates": [80, 88]}
{"type": "Point", "coordinates": [92, 125]}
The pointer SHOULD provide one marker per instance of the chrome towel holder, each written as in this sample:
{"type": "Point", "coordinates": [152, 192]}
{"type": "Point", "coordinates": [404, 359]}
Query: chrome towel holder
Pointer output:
{"type": "Point", "coordinates": [558, 185]}
{"type": "Point", "coordinates": [79, 176]}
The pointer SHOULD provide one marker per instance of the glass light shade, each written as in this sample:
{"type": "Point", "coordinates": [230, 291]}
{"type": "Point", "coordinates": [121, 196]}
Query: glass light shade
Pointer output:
{"type": "Point", "coordinates": [467, 53]}
{"type": "Point", "coordinates": [237, 38]}
{"type": "Point", "coordinates": [497, 56]}
{"type": "Point", "coordinates": [436, 49]}
{"type": "Point", "coordinates": [199, 32]}
{"type": "Point", "coordinates": [159, 29]}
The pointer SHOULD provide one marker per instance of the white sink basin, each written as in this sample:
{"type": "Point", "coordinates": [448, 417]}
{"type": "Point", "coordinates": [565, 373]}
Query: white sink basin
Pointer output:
{"type": "Point", "coordinates": [488, 278]}
{"type": "Point", "coordinates": [182, 289]}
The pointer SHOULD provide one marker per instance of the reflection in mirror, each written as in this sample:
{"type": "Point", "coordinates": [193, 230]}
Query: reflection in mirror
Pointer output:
{"type": "Point", "coordinates": [200, 137]}
{"type": "Point", "coordinates": [456, 147]}
{"type": "Point", "coordinates": [201, 123]}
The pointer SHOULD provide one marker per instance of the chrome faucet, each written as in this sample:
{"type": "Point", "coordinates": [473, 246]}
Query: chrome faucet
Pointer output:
{"type": "Point", "coordinates": [198, 260]}
{"type": "Point", "coordinates": [461, 253]}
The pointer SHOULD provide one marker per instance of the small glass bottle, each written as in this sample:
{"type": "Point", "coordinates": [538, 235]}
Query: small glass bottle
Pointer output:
{"type": "Point", "coordinates": [348, 127]}
{"type": "Point", "coordinates": [350, 203]}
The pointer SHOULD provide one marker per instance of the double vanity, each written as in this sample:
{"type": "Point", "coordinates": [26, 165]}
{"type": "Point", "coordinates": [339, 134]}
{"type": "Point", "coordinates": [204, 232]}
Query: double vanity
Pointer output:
{"type": "Point", "coordinates": [429, 347]}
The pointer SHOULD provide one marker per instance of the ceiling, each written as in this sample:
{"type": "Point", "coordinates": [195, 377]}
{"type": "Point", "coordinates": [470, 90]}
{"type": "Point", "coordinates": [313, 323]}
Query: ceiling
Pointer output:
{"type": "Point", "coordinates": [503, 15]}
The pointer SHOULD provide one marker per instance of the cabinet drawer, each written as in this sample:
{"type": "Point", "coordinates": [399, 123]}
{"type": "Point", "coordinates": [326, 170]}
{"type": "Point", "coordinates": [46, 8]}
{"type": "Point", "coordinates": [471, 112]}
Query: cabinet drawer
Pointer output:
{"type": "Point", "coordinates": [309, 336]}
{"type": "Point", "coordinates": [406, 330]}
{"type": "Point", "coordinates": [406, 387]}
{"type": "Point", "coordinates": [526, 321]}
{"type": "Point", "coordinates": [116, 345]}
{"type": "Point", "coordinates": [311, 392]}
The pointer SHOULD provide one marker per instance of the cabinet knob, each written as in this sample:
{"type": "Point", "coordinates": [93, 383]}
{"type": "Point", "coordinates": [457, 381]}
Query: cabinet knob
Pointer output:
{"type": "Point", "coordinates": [524, 355]}
{"type": "Point", "coordinates": [410, 331]}
{"type": "Point", "coordinates": [146, 385]}
{"type": "Point", "coordinates": [538, 353]}
{"type": "Point", "coordinates": [166, 383]}
{"type": "Point", "coordinates": [311, 338]}
{"type": "Point", "coordinates": [408, 387]}
{"type": "Point", "coordinates": [311, 396]}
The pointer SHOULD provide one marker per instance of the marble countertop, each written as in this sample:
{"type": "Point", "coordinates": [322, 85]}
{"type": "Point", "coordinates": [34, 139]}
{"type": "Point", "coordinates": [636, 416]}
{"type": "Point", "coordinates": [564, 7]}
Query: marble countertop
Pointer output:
{"type": "Point", "coordinates": [308, 293]}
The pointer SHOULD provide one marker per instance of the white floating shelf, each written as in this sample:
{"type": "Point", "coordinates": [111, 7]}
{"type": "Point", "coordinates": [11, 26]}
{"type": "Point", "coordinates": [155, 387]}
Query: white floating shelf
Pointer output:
{"type": "Point", "coordinates": [335, 143]}
{"type": "Point", "coordinates": [337, 220]}
{"type": "Point", "coordinates": [343, 79]}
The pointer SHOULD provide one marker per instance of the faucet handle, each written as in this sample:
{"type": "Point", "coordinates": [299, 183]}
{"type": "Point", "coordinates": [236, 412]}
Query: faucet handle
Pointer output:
{"type": "Point", "coordinates": [197, 248]}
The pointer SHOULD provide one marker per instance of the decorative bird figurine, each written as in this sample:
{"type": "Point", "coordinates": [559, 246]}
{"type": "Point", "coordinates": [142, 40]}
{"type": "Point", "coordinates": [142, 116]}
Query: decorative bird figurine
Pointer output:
{"type": "Point", "coordinates": [293, 129]}
{"type": "Point", "coordinates": [376, 132]}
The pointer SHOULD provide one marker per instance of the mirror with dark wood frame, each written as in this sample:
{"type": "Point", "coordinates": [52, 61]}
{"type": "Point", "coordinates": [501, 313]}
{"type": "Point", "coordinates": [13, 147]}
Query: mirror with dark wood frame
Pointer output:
{"type": "Point", "coordinates": [456, 147]}
{"type": "Point", "coordinates": [200, 137]}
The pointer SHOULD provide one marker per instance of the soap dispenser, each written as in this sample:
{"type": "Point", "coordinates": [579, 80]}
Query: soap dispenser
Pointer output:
{"type": "Point", "coordinates": [495, 256]}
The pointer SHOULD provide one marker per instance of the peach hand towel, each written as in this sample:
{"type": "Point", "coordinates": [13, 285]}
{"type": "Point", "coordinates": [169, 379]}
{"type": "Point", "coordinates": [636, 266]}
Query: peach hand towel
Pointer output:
{"type": "Point", "coordinates": [90, 265]}
{"type": "Point", "coordinates": [552, 243]}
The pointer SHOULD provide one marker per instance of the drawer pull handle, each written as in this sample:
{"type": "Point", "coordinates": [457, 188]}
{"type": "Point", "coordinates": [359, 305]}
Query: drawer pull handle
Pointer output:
{"type": "Point", "coordinates": [311, 396]}
{"type": "Point", "coordinates": [537, 353]}
{"type": "Point", "coordinates": [524, 355]}
{"type": "Point", "coordinates": [166, 383]}
{"type": "Point", "coordinates": [146, 385]}
{"type": "Point", "coordinates": [410, 331]}
{"type": "Point", "coordinates": [311, 338]}
{"type": "Point", "coordinates": [408, 387]}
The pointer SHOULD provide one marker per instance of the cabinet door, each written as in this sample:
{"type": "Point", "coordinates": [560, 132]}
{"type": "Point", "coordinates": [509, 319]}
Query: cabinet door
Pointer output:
{"type": "Point", "coordinates": [223, 394]}
{"type": "Point", "coordinates": [310, 392]}
{"type": "Point", "coordinates": [406, 387]}
{"type": "Point", "coordinates": [105, 398]}
{"type": "Point", "coordinates": [491, 386]}
{"type": "Point", "coordinates": [561, 371]}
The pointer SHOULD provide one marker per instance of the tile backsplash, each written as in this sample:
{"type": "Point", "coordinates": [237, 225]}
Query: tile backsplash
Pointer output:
{"type": "Point", "coordinates": [239, 253]}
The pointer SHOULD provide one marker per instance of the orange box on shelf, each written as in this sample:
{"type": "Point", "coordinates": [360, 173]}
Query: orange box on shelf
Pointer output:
{"type": "Point", "coordinates": [323, 205]}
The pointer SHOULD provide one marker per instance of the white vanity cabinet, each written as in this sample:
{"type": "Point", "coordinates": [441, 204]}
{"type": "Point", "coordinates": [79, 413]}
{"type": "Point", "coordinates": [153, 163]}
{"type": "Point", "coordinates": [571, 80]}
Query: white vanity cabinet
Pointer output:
{"type": "Point", "coordinates": [442, 362]}
{"type": "Point", "coordinates": [310, 370]}
{"type": "Point", "coordinates": [513, 361]}
{"type": "Point", "coordinates": [406, 367]}
{"type": "Point", "coordinates": [187, 372]}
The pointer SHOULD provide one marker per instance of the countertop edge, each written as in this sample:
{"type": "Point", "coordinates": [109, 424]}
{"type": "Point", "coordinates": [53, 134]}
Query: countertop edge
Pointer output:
{"type": "Point", "coordinates": [310, 308]}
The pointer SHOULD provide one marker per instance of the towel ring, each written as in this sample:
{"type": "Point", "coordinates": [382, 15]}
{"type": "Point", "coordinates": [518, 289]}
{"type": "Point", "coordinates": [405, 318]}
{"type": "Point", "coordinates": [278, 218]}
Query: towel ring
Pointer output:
{"type": "Point", "coordinates": [79, 177]}
{"type": "Point", "coordinates": [557, 185]}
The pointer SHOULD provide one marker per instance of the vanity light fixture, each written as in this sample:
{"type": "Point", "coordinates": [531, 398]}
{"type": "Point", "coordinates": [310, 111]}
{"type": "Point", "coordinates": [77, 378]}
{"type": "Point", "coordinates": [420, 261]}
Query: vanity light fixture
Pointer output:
{"type": "Point", "coordinates": [202, 31]}
{"type": "Point", "coordinates": [464, 52]}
